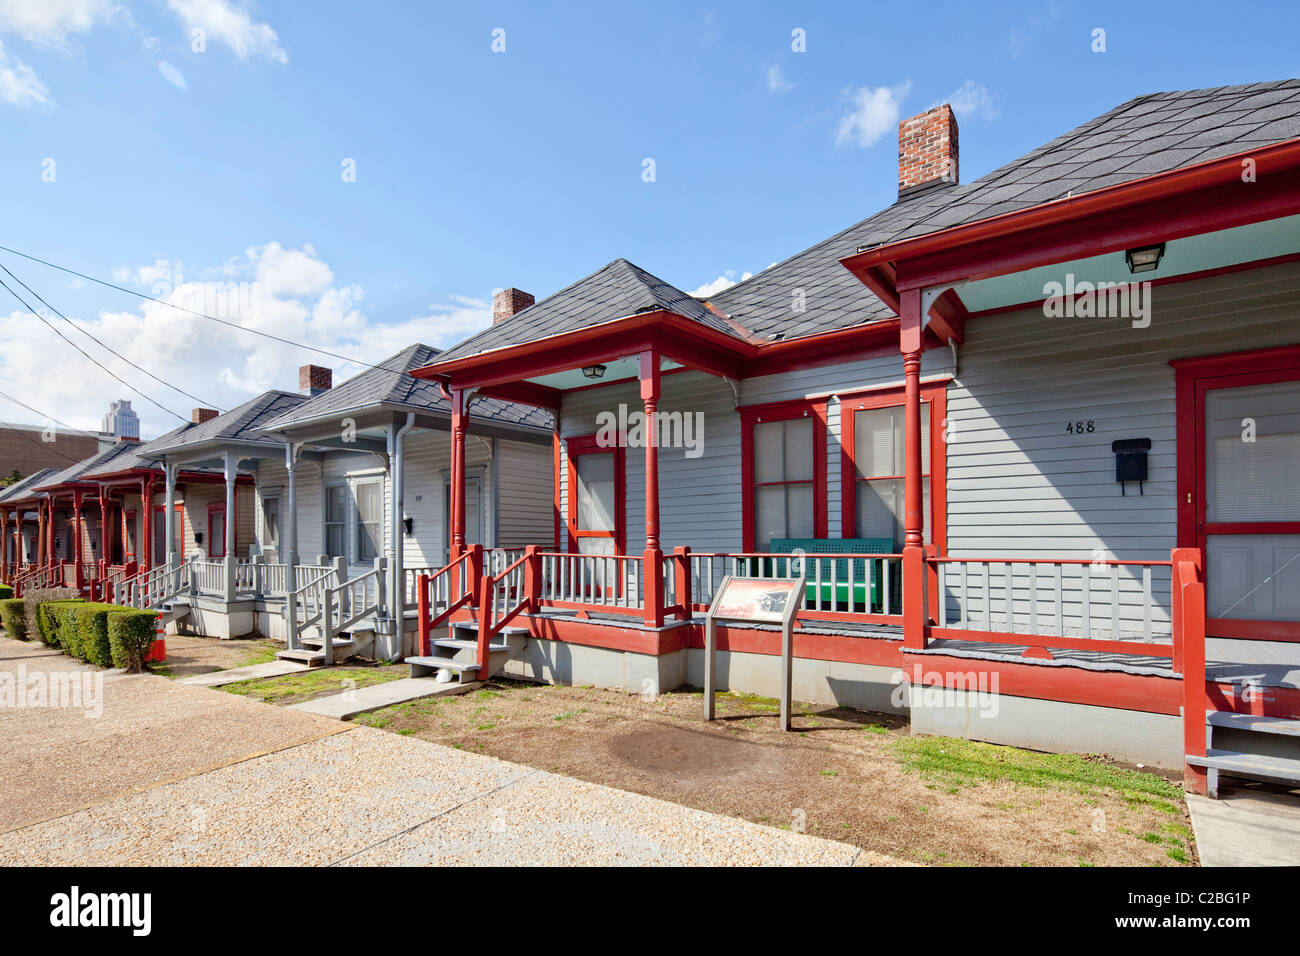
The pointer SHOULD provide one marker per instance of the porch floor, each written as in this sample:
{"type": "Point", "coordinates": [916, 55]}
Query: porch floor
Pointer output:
{"type": "Point", "coordinates": [1061, 657]}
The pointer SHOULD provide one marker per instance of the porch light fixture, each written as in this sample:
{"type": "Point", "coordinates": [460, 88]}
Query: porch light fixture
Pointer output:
{"type": "Point", "coordinates": [593, 371]}
{"type": "Point", "coordinates": [1145, 259]}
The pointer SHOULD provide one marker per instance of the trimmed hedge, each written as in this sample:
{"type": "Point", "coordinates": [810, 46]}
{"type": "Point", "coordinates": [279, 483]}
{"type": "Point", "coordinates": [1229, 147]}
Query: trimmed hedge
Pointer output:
{"type": "Point", "coordinates": [6, 592]}
{"type": "Point", "coordinates": [67, 627]}
{"type": "Point", "coordinates": [49, 622]}
{"type": "Point", "coordinates": [32, 601]}
{"type": "Point", "coordinates": [131, 635]}
{"type": "Point", "coordinates": [90, 621]}
{"type": "Point", "coordinates": [13, 617]}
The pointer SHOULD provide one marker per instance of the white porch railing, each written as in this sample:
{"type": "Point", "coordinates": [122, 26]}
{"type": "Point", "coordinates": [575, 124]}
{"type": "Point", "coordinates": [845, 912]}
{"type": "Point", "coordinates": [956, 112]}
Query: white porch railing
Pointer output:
{"type": "Point", "coordinates": [1057, 597]}
{"type": "Point", "coordinates": [209, 575]}
{"type": "Point", "coordinates": [602, 580]}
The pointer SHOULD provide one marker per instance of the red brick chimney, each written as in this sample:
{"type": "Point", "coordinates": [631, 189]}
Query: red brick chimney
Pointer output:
{"type": "Point", "coordinates": [314, 379]}
{"type": "Point", "coordinates": [201, 415]}
{"type": "Point", "coordinates": [927, 150]}
{"type": "Point", "coordinates": [509, 302]}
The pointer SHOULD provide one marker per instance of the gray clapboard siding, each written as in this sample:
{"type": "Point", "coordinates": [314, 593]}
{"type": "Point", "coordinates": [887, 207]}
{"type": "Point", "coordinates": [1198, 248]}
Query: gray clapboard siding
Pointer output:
{"type": "Point", "coordinates": [525, 495]}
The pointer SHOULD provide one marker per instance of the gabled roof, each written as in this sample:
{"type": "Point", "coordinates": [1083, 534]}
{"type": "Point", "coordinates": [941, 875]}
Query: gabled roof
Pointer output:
{"type": "Point", "coordinates": [20, 489]}
{"type": "Point", "coordinates": [1147, 135]}
{"type": "Point", "coordinates": [95, 462]}
{"type": "Point", "coordinates": [138, 455]}
{"type": "Point", "coordinates": [241, 424]}
{"type": "Point", "coordinates": [618, 290]}
{"type": "Point", "coordinates": [390, 384]}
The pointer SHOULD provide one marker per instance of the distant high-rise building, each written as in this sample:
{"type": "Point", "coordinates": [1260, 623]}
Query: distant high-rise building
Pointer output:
{"type": "Point", "coordinates": [121, 421]}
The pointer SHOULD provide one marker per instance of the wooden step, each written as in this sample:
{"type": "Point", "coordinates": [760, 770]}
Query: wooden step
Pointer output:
{"type": "Point", "coordinates": [1285, 726]}
{"type": "Point", "coordinates": [446, 662]}
{"type": "Point", "coordinates": [458, 644]}
{"type": "Point", "coordinates": [1249, 765]}
{"type": "Point", "coordinates": [310, 658]}
{"type": "Point", "coordinates": [505, 631]}
{"type": "Point", "coordinates": [318, 641]}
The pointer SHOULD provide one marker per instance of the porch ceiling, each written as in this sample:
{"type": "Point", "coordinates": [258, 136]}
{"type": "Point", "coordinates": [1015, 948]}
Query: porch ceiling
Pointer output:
{"type": "Point", "coordinates": [1193, 254]}
{"type": "Point", "coordinates": [615, 370]}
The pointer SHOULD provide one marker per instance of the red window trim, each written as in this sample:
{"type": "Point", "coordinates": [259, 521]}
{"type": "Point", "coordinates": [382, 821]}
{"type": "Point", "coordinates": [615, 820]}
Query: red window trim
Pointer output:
{"type": "Point", "coordinates": [575, 447]}
{"type": "Point", "coordinates": [936, 394]}
{"type": "Point", "coordinates": [1193, 377]}
{"type": "Point", "coordinates": [751, 415]}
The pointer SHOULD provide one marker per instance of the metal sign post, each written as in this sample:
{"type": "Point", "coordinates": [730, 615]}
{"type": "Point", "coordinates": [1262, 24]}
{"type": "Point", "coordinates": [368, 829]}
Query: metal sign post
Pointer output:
{"type": "Point", "coordinates": [749, 600]}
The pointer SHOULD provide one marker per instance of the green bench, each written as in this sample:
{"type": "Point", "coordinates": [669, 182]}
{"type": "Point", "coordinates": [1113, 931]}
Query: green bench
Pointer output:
{"type": "Point", "coordinates": [837, 596]}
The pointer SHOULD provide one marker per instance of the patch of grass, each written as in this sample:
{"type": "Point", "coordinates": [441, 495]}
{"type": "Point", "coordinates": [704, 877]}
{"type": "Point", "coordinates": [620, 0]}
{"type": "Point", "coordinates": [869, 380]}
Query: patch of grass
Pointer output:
{"type": "Point", "coordinates": [303, 685]}
{"type": "Point", "coordinates": [965, 763]}
{"type": "Point", "coordinates": [262, 654]}
{"type": "Point", "coordinates": [568, 714]}
{"type": "Point", "coordinates": [875, 729]}
{"type": "Point", "coordinates": [1178, 854]}
{"type": "Point", "coordinates": [753, 701]}
{"type": "Point", "coordinates": [1152, 838]}
{"type": "Point", "coordinates": [829, 773]}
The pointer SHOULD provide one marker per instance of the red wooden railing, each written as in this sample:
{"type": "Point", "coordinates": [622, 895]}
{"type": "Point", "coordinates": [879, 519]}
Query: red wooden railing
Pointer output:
{"type": "Point", "coordinates": [1189, 657]}
{"type": "Point", "coordinates": [456, 583]}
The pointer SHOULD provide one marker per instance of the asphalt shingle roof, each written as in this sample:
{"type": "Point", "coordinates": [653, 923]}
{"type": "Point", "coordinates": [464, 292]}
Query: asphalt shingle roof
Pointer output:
{"type": "Point", "coordinates": [20, 489]}
{"type": "Point", "coordinates": [391, 382]}
{"type": "Point", "coordinates": [137, 455]}
{"type": "Point", "coordinates": [242, 423]}
{"type": "Point", "coordinates": [1151, 134]}
{"type": "Point", "coordinates": [97, 462]}
{"type": "Point", "coordinates": [619, 289]}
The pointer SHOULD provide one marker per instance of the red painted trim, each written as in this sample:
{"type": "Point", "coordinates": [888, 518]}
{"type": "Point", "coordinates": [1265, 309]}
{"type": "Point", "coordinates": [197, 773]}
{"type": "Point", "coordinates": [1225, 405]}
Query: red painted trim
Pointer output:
{"type": "Point", "coordinates": [129, 515]}
{"type": "Point", "coordinates": [1263, 701]}
{"type": "Point", "coordinates": [1073, 685]}
{"type": "Point", "coordinates": [1193, 378]}
{"type": "Point", "coordinates": [1115, 217]}
{"type": "Point", "coordinates": [1288, 631]}
{"type": "Point", "coordinates": [936, 394]}
{"type": "Point", "coordinates": [575, 447]}
{"type": "Point", "coordinates": [751, 415]}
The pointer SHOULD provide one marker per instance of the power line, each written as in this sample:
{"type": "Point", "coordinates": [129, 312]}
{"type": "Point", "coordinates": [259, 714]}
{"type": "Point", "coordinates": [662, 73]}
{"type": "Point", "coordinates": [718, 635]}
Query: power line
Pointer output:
{"type": "Point", "coordinates": [25, 437]}
{"type": "Point", "coordinates": [37, 411]}
{"type": "Point", "coordinates": [181, 308]}
{"type": "Point", "coordinates": [101, 344]}
{"type": "Point", "coordinates": [50, 325]}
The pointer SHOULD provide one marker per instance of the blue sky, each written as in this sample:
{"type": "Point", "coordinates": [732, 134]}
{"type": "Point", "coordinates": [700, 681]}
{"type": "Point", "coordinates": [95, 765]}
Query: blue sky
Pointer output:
{"type": "Point", "coordinates": [478, 169]}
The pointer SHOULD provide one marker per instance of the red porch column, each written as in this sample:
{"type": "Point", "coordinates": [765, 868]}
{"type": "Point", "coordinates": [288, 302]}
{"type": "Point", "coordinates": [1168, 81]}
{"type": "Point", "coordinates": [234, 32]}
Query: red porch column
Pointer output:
{"type": "Point", "coordinates": [910, 332]}
{"type": "Point", "coordinates": [77, 551]}
{"type": "Point", "coordinates": [457, 547]}
{"type": "Point", "coordinates": [653, 558]}
{"type": "Point", "coordinates": [144, 527]}
{"type": "Point", "coordinates": [4, 545]}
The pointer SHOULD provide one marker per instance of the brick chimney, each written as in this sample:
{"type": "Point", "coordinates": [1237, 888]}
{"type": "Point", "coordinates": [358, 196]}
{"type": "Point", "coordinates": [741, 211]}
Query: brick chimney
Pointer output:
{"type": "Point", "coordinates": [927, 150]}
{"type": "Point", "coordinates": [201, 415]}
{"type": "Point", "coordinates": [509, 302]}
{"type": "Point", "coordinates": [314, 379]}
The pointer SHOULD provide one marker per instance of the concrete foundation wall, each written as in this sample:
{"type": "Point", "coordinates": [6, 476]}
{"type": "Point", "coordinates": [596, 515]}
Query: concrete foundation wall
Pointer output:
{"type": "Point", "coordinates": [1049, 725]}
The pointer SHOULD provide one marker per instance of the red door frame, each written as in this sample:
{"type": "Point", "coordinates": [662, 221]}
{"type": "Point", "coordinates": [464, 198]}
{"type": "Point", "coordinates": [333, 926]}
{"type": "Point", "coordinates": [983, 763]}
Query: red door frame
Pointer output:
{"type": "Point", "coordinates": [576, 446]}
{"type": "Point", "coordinates": [1193, 378]}
{"type": "Point", "coordinates": [160, 516]}
{"type": "Point", "coordinates": [128, 554]}
{"type": "Point", "coordinates": [751, 415]}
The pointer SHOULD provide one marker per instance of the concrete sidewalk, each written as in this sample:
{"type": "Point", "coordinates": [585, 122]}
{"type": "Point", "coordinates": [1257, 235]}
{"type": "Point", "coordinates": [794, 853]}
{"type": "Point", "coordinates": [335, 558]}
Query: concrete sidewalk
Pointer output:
{"type": "Point", "coordinates": [1246, 828]}
{"type": "Point", "coordinates": [176, 774]}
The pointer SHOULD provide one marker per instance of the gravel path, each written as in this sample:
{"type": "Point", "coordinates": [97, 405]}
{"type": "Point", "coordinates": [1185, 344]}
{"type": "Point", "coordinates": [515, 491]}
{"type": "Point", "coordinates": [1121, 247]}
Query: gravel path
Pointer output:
{"type": "Point", "coordinates": [176, 774]}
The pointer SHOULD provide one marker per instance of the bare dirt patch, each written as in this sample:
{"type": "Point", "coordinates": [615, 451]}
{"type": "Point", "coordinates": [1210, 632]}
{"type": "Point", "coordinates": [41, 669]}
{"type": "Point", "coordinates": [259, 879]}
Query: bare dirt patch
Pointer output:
{"type": "Point", "coordinates": [202, 655]}
{"type": "Point", "coordinates": [843, 774]}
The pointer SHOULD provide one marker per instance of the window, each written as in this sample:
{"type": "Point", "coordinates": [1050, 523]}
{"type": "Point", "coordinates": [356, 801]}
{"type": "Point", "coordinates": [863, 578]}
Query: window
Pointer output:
{"type": "Point", "coordinates": [596, 496]}
{"type": "Point", "coordinates": [369, 516]}
{"type": "Point", "coordinates": [271, 523]}
{"type": "Point", "coordinates": [784, 472]}
{"type": "Point", "coordinates": [216, 531]}
{"type": "Point", "coordinates": [336, 529]}
{"type": "Point", "coordinates": [874, 468]}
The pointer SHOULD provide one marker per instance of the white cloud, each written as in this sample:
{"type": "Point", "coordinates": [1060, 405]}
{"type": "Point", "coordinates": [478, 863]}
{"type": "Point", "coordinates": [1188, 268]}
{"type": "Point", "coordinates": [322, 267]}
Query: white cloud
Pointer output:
{"type": "Point", "coordinates": [872, 114]}
{"type": "Point", "coordinates": [50, 22]}
{"type": "Point", "coordinates": [972, 99]}
{"type": "Point", "coordinates": [724, 281]}
{"type": "Point", "coordinates": [289, 292]}
{"type": "Point", "coordinates": [776, 81]}
{"type": "Point", "coordinates": [172, 75]}
{"type": "Point", "coordinates": [231, 24]}
{"type": "Point", "coordinates": [19, 85]}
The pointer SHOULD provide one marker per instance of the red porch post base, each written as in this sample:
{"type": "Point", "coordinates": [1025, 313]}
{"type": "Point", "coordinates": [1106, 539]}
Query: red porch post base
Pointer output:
{"type": "Point", "coordinates": [653, 566]}
{"type": "Point", "coordinates": [533, 577]}
{"type": "Point", "coordinates": [914, 597]}
{"type": "Point", "coordinates": [422, 599]}
{"type": "Point", "coordinates": [1195, 780]}
{"type": "Point", "coordinates": [682, 569]}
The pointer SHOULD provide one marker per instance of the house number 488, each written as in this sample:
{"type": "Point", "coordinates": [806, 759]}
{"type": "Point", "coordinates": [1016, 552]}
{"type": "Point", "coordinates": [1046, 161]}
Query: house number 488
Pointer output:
{"type": "Point", "coordinates": [1079, 428]}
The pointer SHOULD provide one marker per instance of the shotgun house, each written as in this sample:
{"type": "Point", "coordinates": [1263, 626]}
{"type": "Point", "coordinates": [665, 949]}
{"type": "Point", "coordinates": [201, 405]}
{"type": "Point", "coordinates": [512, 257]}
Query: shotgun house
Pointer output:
{"type": "Point", "coordinates": [21, 514]}
{"type": "Point", "coordinates": [365, 468]}
{"type": "Point", "coordinates": [1029, 440]}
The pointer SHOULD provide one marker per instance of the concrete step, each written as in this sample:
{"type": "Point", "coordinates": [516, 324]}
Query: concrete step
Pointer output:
{"type": "Point", "coordinates": [1285, 726]}
{"type": "Point", "coordinates": [1249, 765]}
{"type": "Point", "coordinates": [310, 658]}
{"type": "Point", "coordinates": [464, 671]}
{"type": "Point", "coordinates": [318, 641]}
{"type": "Point", "coordinates": [504, 632]}
{"type": "Point", "coordinates": [458, 644]}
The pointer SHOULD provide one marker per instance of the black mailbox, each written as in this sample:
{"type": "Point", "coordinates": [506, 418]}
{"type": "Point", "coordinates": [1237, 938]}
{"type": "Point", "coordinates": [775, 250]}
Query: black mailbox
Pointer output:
{"type": "Point", "coordinates": [1131, 461]}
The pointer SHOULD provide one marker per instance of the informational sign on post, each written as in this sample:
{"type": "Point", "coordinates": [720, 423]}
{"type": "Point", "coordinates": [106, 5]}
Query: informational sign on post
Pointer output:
{"type": "Point", "coordinates": [754, 601]}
